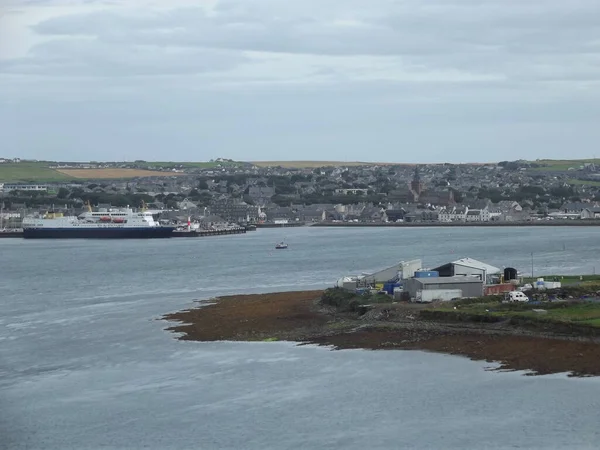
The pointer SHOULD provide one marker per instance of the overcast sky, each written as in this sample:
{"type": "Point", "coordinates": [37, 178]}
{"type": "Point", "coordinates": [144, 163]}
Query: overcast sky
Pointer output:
{"type": "Point", "coordinates": [368, 80]}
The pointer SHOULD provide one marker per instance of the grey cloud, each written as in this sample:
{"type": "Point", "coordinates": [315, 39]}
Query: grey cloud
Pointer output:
{"type": "Point", "coordinates": [388, 27]}
{"type": "Point", "coordinates": [93, 58]}
{"type": "Point", "coordinates": [535, 40]}
{"type": "Point", "coordinates": [542, 99]}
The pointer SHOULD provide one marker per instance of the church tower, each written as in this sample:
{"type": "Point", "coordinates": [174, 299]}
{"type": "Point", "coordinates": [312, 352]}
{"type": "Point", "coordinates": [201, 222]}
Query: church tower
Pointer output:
{"type": "Point", "coordinates": [417, 185]}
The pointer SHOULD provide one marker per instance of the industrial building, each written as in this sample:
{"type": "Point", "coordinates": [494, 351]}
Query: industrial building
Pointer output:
{"type": "Point", "coordinates": [398, 272]}
{"type": "Point", "coordinates": [442, 288]}
{"type": "Point", "coordinates": [468, 267]}
{"type": "Point", "coordinates": [464, 277]}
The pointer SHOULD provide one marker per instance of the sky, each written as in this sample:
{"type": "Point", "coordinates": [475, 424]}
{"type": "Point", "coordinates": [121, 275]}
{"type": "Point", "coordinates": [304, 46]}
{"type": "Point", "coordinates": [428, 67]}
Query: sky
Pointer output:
{"type": "Point", "coordinates": [349, 80]}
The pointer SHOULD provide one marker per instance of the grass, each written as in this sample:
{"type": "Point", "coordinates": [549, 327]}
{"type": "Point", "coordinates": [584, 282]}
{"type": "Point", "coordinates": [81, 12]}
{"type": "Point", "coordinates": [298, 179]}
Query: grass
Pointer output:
{"type": "Point", "coordinates": [576, 312]}
{"type": "Point", "coordinates": [550, 165]}
{"type": "Point", "coordinates": [34, 172]}
{"type": "Point", "coordinates": [95, 174]}
{"type": "Point", "coordinates": [566, 279]}
{"type": "Point", "coordinates": [191, 165]}
{"type": "Point", "coordinates": [586, 313]}
{"type": "Point", "coordinates": [575, 182]}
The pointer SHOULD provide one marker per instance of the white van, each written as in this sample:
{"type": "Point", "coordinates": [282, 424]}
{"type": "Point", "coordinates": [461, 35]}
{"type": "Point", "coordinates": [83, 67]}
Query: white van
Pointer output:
{"type": "Point", "coordinates": [516, 296]}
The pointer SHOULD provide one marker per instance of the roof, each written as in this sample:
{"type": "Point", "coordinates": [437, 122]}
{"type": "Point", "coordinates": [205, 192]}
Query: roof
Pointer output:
{"type": "Point", "coordinates": [473, 263]}
{"type": "Point", "coordinates": [448, 280]}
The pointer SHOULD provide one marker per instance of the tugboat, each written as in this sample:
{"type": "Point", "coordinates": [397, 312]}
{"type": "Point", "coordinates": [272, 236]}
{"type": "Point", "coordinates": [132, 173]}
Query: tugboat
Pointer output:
{"type": "Point", "coordinates": [281, 246]}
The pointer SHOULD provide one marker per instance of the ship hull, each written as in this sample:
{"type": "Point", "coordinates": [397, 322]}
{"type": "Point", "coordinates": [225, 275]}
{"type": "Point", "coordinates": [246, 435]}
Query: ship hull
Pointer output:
{"type": "Point", "coordinates": [98, 233]}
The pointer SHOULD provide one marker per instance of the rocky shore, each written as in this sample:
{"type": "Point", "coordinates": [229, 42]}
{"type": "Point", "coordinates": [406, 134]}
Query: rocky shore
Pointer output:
{"type": "Point", "coordinates": [300, 317]}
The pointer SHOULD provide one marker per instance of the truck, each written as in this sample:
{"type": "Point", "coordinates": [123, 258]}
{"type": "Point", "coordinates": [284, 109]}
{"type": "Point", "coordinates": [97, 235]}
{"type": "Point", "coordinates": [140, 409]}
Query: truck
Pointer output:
{"type": "Point", "coordinates": [515, 296]}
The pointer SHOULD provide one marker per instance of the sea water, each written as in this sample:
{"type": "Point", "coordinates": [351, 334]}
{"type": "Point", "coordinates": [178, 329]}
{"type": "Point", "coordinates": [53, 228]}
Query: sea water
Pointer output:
{"type": "Point", "coordinates": [86, 363]}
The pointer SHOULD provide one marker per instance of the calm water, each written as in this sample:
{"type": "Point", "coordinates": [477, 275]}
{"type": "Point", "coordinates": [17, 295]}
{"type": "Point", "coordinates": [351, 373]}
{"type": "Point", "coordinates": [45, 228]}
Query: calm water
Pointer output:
{"type": "Point", "coordinates": [86, 364]}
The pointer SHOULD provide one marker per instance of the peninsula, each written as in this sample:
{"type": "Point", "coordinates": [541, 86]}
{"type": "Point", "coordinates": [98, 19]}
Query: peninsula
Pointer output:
{"type": "Point", "coordinates": [557, 332]}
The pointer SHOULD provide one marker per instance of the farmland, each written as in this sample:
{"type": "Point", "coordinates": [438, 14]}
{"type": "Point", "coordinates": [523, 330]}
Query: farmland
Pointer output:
{"type": "Point", "coordinates": [110, 173]}
{"type": "Point", "coordinates": [190, 165]}
{"type": "Point", "coordinates": [575, 182]}
{"type": "Point", "coordinates": [30, 172]}
{"type": "Point", "coordinates": [550, 165]}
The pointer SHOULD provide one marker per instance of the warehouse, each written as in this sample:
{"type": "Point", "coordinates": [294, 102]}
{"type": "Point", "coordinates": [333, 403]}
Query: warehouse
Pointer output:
{"type": "Point", "coordinates": [469, 267]}
{"type": "Point", "coordinates": [443, 288]}
{"type": "Point", "coordinates": [397, 272]}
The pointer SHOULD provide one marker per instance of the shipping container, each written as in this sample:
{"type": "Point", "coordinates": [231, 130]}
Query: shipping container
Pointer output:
{"type": "Point", "coordinates": [495, 289]}
{"type": "Point", "coordinates": [389, 287]}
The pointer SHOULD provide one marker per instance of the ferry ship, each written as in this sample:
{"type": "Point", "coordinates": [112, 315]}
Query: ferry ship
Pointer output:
{"type": "Point", "coordinates": [110, 223]}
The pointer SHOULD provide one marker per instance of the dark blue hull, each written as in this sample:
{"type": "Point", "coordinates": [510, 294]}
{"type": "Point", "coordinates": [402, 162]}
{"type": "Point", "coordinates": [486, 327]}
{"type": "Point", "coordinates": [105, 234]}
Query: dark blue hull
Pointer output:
{"type": "Point", "coordinates": [98, 233]}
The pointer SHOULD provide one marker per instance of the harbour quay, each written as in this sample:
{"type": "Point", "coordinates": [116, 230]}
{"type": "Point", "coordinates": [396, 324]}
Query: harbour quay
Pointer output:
{"type": "Point", "coordinates": [207, 233]}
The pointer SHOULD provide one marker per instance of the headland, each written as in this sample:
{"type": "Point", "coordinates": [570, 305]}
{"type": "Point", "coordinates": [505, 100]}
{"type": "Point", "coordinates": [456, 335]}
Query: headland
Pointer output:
{"type": "Point", "coordinates": [558, 333]}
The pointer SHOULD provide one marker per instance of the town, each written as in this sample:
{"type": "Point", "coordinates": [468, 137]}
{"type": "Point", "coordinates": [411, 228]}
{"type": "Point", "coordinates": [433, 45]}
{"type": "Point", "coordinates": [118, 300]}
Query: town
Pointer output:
{"type": "Point", "coordinates": [224, 192]}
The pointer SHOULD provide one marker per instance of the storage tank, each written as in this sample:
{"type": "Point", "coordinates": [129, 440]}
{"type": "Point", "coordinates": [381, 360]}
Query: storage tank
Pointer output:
{"type": "Point", "coordinates": [427, 274]}
{"type": "Point", "coordinates": [510, 274]}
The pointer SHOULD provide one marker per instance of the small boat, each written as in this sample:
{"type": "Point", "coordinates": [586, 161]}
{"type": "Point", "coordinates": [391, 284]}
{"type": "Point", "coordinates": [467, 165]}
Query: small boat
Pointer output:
{"type": "Point", "coordinates": [281, 245]}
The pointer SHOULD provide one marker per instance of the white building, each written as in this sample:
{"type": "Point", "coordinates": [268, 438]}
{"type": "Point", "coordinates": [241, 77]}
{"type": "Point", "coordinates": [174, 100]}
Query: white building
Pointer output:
{"type": "Point", "coordinates": [24, 187]}
{"type": "Point", "coordinates": [453, 214]}
{"type": "Point", "coordinates": [478, 215]}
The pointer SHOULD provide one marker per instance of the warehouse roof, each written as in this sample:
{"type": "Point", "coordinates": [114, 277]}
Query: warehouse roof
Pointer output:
{"type": "Point", "coordinates": [448, 280]}
{"type": "Point", "coordinates": [470, 262]}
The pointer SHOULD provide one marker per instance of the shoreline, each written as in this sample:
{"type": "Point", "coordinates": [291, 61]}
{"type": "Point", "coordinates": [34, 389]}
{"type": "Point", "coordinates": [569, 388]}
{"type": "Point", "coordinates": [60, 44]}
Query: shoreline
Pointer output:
{"type": "Point", "coordinates": [541, 223]}
{"type": "Point", "coordinates": [300, 317]}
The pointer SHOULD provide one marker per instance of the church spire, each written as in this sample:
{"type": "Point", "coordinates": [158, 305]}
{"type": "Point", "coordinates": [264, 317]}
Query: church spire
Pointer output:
{"type": "Point", "coordinates": [416, 184]}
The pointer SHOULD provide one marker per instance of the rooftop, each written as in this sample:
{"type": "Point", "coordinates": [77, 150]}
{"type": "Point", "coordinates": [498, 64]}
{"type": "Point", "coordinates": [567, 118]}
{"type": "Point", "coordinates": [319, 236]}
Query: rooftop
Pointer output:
{"type": "Point", "coordinates": [470, 262]}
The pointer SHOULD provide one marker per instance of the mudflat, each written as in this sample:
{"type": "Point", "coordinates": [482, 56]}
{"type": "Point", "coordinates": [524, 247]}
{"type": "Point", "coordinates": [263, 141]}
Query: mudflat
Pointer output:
{"type": "Point", "coordinates": [300, 317]}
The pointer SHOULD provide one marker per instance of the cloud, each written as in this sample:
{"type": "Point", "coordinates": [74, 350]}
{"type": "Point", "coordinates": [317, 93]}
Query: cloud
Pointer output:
{"type": "Point", "coordinates": [330, 76]}
{"type": "Point", "coordinates": [537, 40]}
{"type": "Point", "coordinates": [92, 58]}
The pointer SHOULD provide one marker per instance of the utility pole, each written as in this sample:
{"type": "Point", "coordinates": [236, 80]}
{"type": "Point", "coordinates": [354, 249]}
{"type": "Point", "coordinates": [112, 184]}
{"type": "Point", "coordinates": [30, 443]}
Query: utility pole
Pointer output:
{"type": "Point", "coordinates": [532, 266]}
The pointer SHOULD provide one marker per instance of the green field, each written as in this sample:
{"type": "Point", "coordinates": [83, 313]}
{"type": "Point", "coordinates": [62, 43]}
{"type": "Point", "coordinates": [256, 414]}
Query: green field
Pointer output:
{"type": "Point", "coordinates": [550, 165]}
{"type": "Point", "coordinates": [575, 312]}
{"type": "Point", "coordinates": [575, 182]}
{"type": "Point", "coordinates": [35, 172]}
{"type": "Point", "coordinates": [39, 172]}
{"type": "Point", "coordinates": [190, 165]}
{"type": "Point", "coordinates": [567, 279]}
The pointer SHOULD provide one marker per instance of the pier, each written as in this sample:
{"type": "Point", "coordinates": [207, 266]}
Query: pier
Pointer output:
{"type": "Point", "coordinates": [280, 225]}
{"type": "Point", "coordinates": [11, 234]}
{"type": "Point", "coordinates": [207, 233]}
